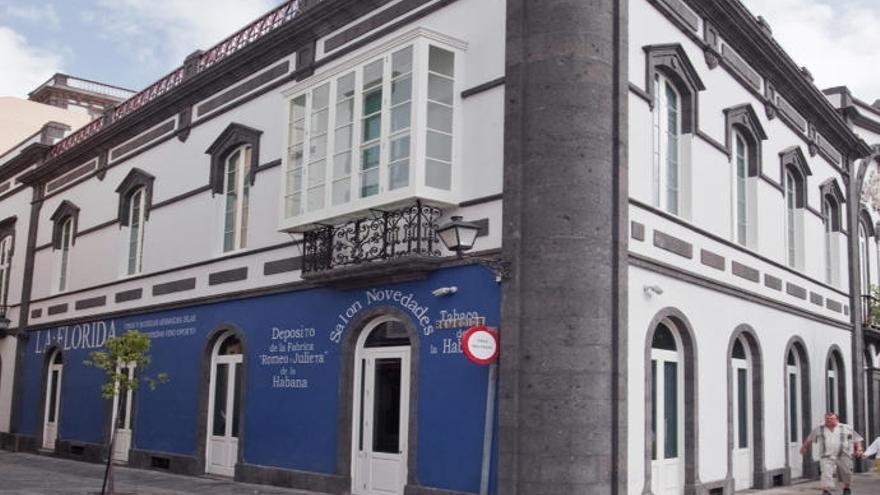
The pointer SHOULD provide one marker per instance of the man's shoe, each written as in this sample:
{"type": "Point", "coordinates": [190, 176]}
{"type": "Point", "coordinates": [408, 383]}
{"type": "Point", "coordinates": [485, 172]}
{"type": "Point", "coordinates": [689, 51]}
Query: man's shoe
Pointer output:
{"type": "Point", "coordinates": [847, 491]}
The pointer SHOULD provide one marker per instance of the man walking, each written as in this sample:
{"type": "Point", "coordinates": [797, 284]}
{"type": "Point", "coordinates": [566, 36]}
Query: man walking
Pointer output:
{"type": "Point", "coordinates": [837, 444]}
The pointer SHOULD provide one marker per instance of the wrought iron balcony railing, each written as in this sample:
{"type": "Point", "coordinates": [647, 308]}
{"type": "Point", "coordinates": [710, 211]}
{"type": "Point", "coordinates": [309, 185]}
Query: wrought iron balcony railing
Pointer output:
{"type": "Point", "coordinates": [386, 235]}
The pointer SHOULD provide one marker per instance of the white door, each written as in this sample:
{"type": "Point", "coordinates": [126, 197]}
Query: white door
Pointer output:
{"type": "Point", "coordinates": [122, 421]}
{"type": "Point", "coordinates": [53, 402]}
{"type": "Point", "coordinates": [743, 473]}
{"type": "Point", "coordinates": [381, 410]}
{"type": "Point", "coordinates": [795, 415]}
{"type": "Point", "coordinates": [223, 407]}
{"type": "Point", "coordinates": [667, 415]}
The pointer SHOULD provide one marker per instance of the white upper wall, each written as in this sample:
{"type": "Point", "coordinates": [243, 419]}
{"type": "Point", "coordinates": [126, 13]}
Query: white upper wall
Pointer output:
{"type": "Point", "coordinates": [711, 176]}
{"type": "Point", "coordinates": [189, 231]}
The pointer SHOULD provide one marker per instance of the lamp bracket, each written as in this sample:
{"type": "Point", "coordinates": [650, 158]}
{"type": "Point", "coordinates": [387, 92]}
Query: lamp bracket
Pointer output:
{"type": "Point", "coordinates": [501, 268]}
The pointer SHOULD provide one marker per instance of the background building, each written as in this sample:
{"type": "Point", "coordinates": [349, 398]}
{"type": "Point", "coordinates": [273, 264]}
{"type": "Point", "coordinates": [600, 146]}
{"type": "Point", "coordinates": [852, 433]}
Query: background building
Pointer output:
{"type": "Point", "coordinates": [28, 129]}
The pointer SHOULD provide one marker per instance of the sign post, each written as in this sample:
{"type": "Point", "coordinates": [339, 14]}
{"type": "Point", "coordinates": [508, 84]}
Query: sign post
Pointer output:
{"type": "Point", "coordinates": [480, 345]}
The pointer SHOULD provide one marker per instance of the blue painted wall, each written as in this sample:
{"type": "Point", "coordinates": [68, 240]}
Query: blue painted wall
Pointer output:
{"type": "Point", "coordinates": [284, 426]}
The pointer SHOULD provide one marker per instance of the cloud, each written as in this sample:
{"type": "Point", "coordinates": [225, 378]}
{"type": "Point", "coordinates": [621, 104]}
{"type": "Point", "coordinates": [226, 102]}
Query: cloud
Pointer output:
{"type": "Point", "coordinates": [161, 33]}
{"type": "Point", "coordinates": [836, 40]}
{"type": "Point", "coordinates": [45, 15]}
{"type": "Point", "coordinates": [24, 67]}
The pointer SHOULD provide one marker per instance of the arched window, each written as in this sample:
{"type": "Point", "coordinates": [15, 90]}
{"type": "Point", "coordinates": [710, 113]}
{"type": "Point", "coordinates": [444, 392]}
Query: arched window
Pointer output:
{"type": "Point", "coordinates": [667, 151]}
{"type": "Point", "coordinates": [5, 267]}
{"type": "Point", "coordinates": [741, 153]}
{"type": "Point", "coordinates": [835, 380]}
{"type": "Point", "coordinates": [829, 211]}
{"type": "Point", "coordinates": [136, 209]}
{"type": "Point", "coordinates": [135, 202]}
{"type": "Point", "coordinates": [744, 134]}
{"type": "Point", "coordinates": [673, 85]}
{"type": "Point", "coordinates": [832, 197]}
{"type": "Point", "coordinates": [866, 231]}
{"type": "Point", "coordinates": [63, 238]}
{"type": "Point", "coordinates": [235, 157]}
{"type": "Point", "coordinates": [236, 192]}
{"type": "Point", "coordinates": [793, 217]}
{"type": "Point", "coordinates": [66, 242]}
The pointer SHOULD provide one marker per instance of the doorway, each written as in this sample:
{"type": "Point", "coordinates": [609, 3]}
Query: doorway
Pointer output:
{"type": "Point", "coordinates": [122, 419]}
{"type": "Point", "coordinates": [381, 409]}
{"type": "Point", "coordinates": [224, 408]}
{"type": "Point", "coordinates": [794, 382]}
{"type": "Point", "coordinates": [53, 400]}
{"type": "Point", "coordinates": [667, 412]}
{"type": "Point", "coordinates": [743, 420]}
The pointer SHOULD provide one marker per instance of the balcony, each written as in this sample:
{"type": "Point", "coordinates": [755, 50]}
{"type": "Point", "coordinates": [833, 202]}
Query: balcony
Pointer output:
{"type": "Point", "coordinates": [396, 245]}
{"type": "Point", "coordinates": [870, 315]}
{"type": "Point", "coordinates": [378, 132]}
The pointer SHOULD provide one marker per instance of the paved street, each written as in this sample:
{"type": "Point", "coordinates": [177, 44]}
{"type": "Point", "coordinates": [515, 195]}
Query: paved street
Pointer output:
{"type": "Point", "coordinates": [864, 484]}
{"type": "Point", "coordinates": [25, 474]}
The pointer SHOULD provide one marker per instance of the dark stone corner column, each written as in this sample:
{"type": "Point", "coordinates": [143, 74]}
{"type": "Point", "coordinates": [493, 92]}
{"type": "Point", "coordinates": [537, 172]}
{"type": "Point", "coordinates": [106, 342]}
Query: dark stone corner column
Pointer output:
{"type": "Point", "coordinates": [858, 169]}
{"type": "Point", "coordinates": [563, 362]}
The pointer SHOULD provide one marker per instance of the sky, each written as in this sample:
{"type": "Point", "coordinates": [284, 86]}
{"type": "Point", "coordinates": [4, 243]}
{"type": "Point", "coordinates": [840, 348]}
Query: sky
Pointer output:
{"type": "Point", "coordinates": [132, 43]}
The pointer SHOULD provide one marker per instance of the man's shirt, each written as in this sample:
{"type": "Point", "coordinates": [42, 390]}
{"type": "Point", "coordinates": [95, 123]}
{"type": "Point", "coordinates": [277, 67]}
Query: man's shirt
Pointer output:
{"type": "Point", "coordinates": [832, 443]}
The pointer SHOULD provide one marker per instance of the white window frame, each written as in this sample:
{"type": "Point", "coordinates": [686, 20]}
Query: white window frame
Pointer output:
{"type": "Point", "coordinates": [864, 274]}
{"type": "Point", "coordinates": [741, 206]}
{"type": "Point", "coordinates": [62, 280]}
{"type": "Point", "coordinates": [795, 417]}
{"type": "Point", "coordinates": [832, 389]}
{"type": "Point", "coordinates": [832, 256]}
{"type": "Point", "coordinates": [794, 238]}
{"type": "Point", "coordinates": [135, 233]}
{"type": "Point", "coordinates": [240, 194]}
{"type": "Point", "coordinates": [667, 147]}
{"type": "Point", "coordinates": [293, 208]}
{"type": "Point", "coordinates": [5, 267]}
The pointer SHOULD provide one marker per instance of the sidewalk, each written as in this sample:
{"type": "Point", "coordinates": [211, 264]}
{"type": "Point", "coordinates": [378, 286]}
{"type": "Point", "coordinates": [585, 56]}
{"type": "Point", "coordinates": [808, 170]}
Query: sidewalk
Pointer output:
{"type": "Point", "coordinates": [863, 484]}
{"type": "Point", "coordinates": [27, 474]}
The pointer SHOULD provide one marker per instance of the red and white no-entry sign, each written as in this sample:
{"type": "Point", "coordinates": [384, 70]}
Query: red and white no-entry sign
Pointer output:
{"type": "Point", "coordinates": [480, 344]}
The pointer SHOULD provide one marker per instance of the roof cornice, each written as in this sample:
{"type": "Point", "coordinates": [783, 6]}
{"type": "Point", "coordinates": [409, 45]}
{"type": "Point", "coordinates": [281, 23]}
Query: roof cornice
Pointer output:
{"type": "Point", "coordinates": [315, 19]}
{"type": "Point", "coordinates": [744, 33]}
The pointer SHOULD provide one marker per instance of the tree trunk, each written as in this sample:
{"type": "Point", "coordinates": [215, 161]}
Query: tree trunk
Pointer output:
{"type": "Point", "coordinates": [107, 487]}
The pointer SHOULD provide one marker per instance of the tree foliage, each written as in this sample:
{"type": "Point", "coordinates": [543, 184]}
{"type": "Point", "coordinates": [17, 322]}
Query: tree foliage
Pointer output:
{"type": "Point", "coordinates": [871, 189]}
{"type": "Point", "coordinates": [130, 350]}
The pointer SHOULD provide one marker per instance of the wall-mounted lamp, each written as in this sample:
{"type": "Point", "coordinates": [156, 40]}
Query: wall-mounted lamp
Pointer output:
{"type": "Point", "coordinates": [459, 236]}
{"type": "Point", "coordinates": [651, 290]}
{"type": "Point", "coordinates": [444, 291]}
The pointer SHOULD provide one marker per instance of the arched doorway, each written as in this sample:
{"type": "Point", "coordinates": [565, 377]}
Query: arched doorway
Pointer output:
{"type": "Point", "coordinates": [667, 411]}
{"type": "Point", "coordinates": [835, 384]}
{"type": "Point", "coordinates": [122, 419]}
{"type": "Point", "coordinates": [380, 423]}
{"type": "Point", "coordinates": [797, 408]}
{"type": "Point", "coordinates": [224, 406]}
{"type": "Point", "coordinates": [53, 400]}
{"type": "Point", "coordinates": [743, 419]}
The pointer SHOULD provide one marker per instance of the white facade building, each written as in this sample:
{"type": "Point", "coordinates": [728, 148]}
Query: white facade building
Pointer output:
{"type": "Point", "coordinates": [267, 213]}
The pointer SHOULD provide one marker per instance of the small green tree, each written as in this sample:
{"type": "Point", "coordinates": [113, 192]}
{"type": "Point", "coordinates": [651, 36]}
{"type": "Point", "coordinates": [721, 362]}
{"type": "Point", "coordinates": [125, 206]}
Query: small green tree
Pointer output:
{"type": "Point", "coordinates": [128, 351]}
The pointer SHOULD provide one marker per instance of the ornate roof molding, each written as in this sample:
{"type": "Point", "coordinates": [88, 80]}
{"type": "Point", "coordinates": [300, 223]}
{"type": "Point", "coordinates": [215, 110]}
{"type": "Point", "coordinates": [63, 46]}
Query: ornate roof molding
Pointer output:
{"type": "Point", "coordinates": [745, 34]}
